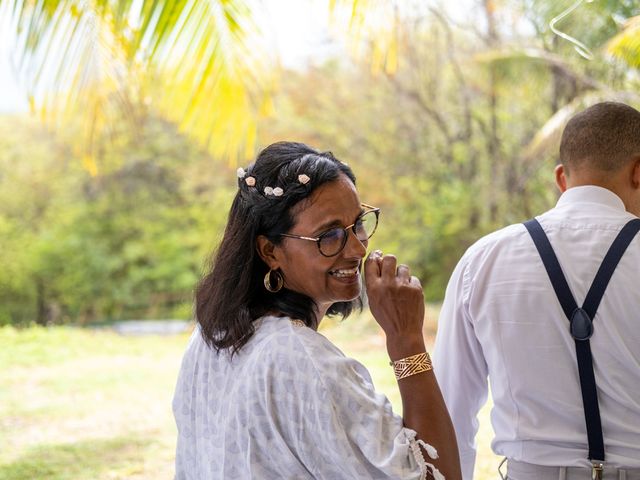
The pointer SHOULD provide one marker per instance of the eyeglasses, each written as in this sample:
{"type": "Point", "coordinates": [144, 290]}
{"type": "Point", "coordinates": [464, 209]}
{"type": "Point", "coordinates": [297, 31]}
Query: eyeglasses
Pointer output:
{"type": "Point", "coordinates": [331, 242]}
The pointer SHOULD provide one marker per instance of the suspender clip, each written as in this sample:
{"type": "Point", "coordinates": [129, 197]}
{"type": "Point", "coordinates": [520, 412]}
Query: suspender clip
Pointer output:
{"type": "Point", "coordinates": [597, 469]}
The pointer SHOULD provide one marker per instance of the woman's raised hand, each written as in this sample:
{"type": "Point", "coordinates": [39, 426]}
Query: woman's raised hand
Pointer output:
{"type": "Point", "coordinates": [396, 301]}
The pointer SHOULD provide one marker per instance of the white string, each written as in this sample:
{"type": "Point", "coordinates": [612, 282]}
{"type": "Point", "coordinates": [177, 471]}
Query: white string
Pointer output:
{"type": "Point", "coordinates": [580, 47]}
{"type": "Point", "coordinates": [425, 467]}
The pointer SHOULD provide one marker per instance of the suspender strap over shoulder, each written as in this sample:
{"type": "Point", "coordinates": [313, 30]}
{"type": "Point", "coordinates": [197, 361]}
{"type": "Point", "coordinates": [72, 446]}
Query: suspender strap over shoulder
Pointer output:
{"type": "Point", "coordinates": [609, 264]}
{"type": "Point", "coordinates": [581, 319]}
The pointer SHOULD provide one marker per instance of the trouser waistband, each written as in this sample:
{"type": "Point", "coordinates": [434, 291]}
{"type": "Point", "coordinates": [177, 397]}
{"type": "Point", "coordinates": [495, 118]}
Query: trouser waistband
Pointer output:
{"type": "Point", "coordinates": [527, 471]}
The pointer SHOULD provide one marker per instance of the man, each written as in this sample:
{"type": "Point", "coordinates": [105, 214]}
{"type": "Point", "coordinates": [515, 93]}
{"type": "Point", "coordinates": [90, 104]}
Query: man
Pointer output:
{"type": "Point", "coordinates": [501, 317]}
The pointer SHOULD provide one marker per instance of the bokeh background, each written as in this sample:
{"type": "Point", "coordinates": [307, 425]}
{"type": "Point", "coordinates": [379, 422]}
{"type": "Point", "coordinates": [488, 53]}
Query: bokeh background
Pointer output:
{"type": "Point", "coordinates": [122, 123]}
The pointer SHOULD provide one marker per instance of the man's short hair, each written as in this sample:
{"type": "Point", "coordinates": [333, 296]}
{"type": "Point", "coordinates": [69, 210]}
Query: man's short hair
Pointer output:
{"type": "Point", "coordinates": [604, 137]}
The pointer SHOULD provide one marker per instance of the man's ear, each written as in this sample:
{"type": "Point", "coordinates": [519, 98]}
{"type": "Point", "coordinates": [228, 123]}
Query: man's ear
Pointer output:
{"type": "Point", "coordinates": [267, 251]}
{"type": "Point", "coordinates": [635, 174]}
{"type": "Point", "coordinates": [561, 178]}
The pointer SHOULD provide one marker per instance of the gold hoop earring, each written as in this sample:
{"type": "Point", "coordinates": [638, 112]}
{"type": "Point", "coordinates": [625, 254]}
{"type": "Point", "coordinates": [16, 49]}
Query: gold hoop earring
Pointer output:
{"type": "Point", "coordinates": [268, 282]}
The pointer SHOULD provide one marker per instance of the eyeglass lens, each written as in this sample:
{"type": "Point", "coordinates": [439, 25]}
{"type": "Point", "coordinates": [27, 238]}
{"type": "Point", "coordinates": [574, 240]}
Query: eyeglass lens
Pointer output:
{"type": "Point", "coordinates": [333, 241]}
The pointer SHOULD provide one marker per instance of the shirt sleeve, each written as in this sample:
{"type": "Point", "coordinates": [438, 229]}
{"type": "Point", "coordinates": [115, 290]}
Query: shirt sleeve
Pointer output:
{"type": "Point", "coordinates": [338, 425]}
{"type": "Point", "coordinates": [460, 366]}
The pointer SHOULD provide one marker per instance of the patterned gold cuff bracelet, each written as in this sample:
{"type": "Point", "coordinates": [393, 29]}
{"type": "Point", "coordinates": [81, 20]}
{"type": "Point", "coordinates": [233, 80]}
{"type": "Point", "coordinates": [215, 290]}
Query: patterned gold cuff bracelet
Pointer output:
{"type": "Point", "coordinates": [405, 367]}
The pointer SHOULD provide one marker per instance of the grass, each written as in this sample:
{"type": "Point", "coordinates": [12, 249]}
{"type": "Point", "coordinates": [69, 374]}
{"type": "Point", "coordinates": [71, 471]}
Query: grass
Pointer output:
{"type": "Point", "coordinates": [80, 404]}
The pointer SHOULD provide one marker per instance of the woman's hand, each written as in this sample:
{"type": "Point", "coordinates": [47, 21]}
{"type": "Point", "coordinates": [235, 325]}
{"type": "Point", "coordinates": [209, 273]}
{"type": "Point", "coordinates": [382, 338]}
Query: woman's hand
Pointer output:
{"type": "Point", "coordinates": [396, 302]}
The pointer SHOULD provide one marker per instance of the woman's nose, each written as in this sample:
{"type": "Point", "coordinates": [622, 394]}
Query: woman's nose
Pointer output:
{"type": "Point", "coordinates": [354, 246]}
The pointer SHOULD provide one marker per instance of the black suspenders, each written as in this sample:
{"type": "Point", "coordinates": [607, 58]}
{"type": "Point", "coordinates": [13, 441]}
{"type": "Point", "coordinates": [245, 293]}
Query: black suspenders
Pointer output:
{"type": "Point", "coordinates": [581, 322]}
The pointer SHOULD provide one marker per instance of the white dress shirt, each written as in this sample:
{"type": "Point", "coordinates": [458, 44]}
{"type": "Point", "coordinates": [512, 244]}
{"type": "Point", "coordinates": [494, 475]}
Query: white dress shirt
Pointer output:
{"type": "Point", "coordinates": [501, 319]}
{"type": "Point", "coordinates": [289, 405]}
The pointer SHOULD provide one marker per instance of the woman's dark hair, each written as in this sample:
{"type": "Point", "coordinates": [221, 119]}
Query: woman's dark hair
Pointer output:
{"type": "Point", "coordinates": [232, 295]}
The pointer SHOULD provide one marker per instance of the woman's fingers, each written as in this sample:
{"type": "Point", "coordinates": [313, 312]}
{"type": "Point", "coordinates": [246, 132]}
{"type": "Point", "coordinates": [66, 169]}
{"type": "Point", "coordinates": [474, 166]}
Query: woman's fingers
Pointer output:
{"type": "Point", "coordinates": [384, 266]}
{"type": "Point", "coordinates": [388, 268]}
{"type": "Point", "coordinates": [372, 264]}
{"type": "Point", "coordinates": [382, 273]}
{"type": "Point", "coordinates": [403, 273]}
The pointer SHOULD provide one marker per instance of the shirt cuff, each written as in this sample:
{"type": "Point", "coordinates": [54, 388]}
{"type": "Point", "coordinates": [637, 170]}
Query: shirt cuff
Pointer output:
{"type": "Point", "coordinates": [467, 462]}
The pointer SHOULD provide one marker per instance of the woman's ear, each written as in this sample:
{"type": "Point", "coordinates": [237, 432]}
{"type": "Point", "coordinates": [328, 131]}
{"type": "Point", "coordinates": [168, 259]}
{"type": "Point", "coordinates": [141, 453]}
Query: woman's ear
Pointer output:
{"type": "Point", "coordinates": [267, 251]}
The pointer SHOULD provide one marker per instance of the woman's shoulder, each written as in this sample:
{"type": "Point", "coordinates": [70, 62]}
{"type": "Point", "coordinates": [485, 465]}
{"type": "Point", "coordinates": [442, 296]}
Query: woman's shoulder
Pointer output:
{"type": "Point", "coordinates": [283, 340]}
{"type": "Point", "coordinates": [284, 334]}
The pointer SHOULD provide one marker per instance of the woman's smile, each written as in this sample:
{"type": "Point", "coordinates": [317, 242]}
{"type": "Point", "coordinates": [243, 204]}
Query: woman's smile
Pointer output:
{"type": "Point", "coordinates": [347, 274]}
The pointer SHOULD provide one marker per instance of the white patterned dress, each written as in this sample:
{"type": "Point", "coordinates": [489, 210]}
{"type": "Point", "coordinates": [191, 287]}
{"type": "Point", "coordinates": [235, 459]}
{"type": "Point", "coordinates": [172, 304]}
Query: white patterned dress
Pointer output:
{"type": "Point", "coordinates": [289, 405]}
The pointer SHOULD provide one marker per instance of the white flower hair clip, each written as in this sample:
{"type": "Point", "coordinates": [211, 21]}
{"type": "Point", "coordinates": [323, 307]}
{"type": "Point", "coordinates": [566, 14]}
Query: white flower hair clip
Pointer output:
{"type": "Point", "coordinates": [242, 173]}
{"type": "Point", "coordinates": [268, 191]}
{"type": "Point", "coordinates": [276, 192]}
{"type": "Point", "coordinates": [303, 179]}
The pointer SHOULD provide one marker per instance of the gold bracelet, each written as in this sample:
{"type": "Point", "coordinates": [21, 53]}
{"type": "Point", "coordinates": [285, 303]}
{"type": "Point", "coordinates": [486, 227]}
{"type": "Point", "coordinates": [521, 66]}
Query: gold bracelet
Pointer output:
{"type": "Point", "coordinates": [405, 367]}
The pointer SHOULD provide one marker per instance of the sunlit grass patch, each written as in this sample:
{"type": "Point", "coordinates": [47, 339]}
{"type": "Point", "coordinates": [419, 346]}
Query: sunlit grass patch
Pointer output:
{"type": "Point", "coordinates": [119, 457]}
{"type": "Point", "coordinates": [86, 404]}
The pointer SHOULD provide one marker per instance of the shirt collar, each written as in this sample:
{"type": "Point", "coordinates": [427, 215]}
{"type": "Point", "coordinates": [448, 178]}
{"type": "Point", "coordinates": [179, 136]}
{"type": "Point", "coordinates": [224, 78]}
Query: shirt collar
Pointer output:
{"type": "Point", "coordinates": [591, 194]}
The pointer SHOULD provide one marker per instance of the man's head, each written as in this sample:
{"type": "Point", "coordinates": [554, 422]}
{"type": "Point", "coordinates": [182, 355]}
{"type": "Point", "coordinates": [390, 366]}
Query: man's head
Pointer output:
{"type": "Point", "coordinates": [601, 146]}
{"type": "Point", "coordinates": [604, 137]}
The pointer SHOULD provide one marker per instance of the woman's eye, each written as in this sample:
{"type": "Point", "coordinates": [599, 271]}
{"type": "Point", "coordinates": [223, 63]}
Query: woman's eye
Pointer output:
{"type": "Point", "coordinates": [334, 234]}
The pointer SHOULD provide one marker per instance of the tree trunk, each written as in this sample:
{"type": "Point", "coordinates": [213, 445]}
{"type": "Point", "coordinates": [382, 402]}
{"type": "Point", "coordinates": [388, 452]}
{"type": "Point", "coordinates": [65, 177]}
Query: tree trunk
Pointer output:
{"type": "Point", "coordinates": [493, 147]}
{"type": "Point", "coordinates": [41, 303]}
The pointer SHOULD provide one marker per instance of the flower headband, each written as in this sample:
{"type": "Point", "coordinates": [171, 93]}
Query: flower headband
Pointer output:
{"type": "Point", "coordinates": [269, 191]}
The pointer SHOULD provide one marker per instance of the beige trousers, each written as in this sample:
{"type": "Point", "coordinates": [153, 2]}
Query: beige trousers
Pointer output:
{"type": "Point", "coordinates": [526, 471]}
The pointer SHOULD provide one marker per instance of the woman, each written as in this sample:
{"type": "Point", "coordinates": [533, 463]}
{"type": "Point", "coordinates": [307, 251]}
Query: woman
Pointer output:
{"type": "Point", "coordinates": [261, 394]}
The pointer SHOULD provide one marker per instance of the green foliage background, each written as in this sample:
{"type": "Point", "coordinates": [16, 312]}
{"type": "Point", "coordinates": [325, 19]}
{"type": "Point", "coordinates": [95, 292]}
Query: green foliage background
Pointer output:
{"type": "Point", "coordinates": [129, 243]}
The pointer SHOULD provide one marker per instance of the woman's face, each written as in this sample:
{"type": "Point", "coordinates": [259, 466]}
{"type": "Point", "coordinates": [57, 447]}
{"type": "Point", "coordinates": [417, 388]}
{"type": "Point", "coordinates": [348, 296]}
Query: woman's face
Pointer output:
{"type": "Point", "coordinates": [326, 280]}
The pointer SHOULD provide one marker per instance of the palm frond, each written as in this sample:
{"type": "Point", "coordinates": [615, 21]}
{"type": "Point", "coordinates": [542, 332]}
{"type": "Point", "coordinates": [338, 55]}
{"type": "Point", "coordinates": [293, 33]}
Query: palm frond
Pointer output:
{"type": "Point", "coordinates": [374, 31]}
{"type": "Point", "coordinates": [545, 142]}
{"type": "Point", "coordinates": [626, 45]}
{"type": "Point", "coordinates": [88, 56]}
{"type": "Point", "coordinates": [533, 57]}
